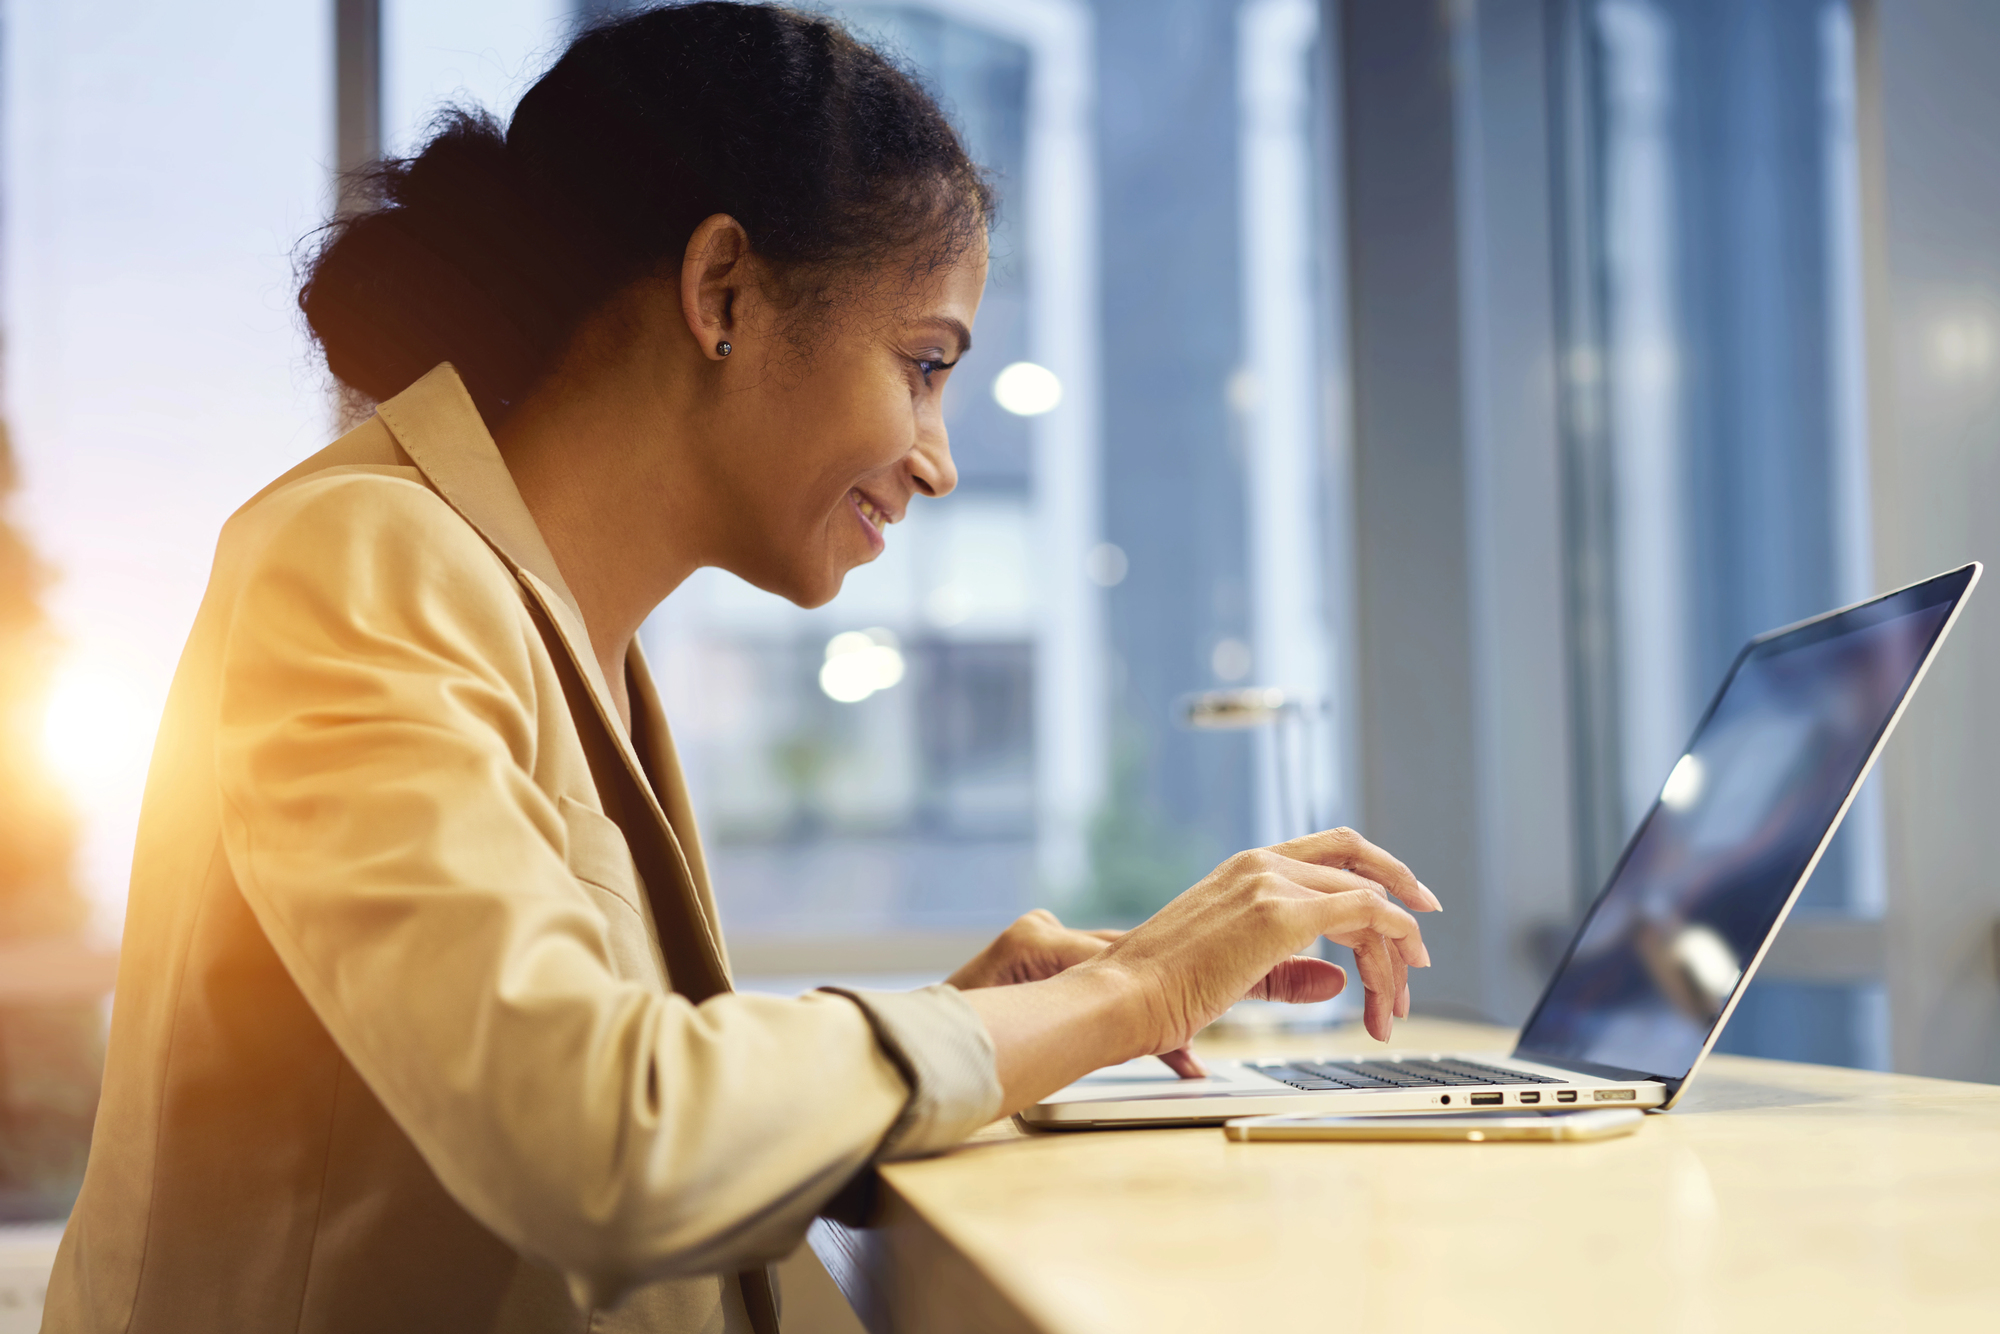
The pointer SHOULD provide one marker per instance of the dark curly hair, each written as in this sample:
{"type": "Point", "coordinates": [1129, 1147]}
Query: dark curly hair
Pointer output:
{"type": "Point", "coordinates": [488, 248]}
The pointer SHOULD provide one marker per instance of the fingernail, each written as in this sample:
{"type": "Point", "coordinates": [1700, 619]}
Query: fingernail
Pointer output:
{"type": "Point", "coordinates": [1199, 1066]}
{"type": "Point", "coordinates": [1425, 950]}
{"type": "Point", "coordinates": [1437, 904]}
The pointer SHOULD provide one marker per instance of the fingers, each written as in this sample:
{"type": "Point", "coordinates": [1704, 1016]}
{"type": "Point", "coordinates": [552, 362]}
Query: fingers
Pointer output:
{"type": "Point", "coordinates": [1073, 947]}
{"type": "Point", "coordinates": [1385, 980]}
{"type": "Point", "coordinates": [1369, 924]}
{"type": "Point", "coordinates": [1350, 903]}
{"type": "Point", "coordinates": [1036, 946]}
{"type": "Point", "coordinates": [1184, 1063]}
{"type": "Point", "coordinates": [1353, 911]}
{"type": "Point", "coordinates": [1051, 926]}
{"type": "Point", "coordinates": [1376, 1016]}
{"type": "Point", "coordinates": [1333, 882]}
{"type": "Point", "coordinates": [1345, 850]}
{"type": "Point", "coordinates": [1059, 946]}
{"type": "Point", "coordinates": [1301, 980]}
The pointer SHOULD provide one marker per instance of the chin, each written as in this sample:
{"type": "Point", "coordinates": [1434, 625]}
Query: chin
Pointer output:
{"type": "Point", "coordinates": [810, 582]}
{"type": "Point", "coordinates": [816, 599]}
{"type": "Point", "coordinates": [811, 591]}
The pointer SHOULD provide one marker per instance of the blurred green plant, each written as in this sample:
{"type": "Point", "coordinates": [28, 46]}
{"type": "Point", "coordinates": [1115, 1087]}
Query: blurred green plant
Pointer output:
{"type": "Point", "coordinates": [51, 1053]}
{"type": "Point", "coordinates": [802, 761]}
{"type": "Point", "coordinates": [1139, 858]}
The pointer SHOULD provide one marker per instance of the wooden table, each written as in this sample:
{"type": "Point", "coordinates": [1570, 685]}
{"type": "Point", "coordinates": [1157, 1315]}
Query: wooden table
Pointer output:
{"type": "Point", "coordinates": [1778, 1198]}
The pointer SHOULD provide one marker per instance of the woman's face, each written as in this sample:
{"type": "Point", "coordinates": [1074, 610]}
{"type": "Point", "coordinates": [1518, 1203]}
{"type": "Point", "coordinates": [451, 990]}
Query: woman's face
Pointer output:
{"type": "Point", "coordinates": [824, 440]}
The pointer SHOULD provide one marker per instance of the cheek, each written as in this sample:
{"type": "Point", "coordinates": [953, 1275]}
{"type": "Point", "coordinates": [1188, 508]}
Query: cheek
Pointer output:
{"type": "Point", "coordinates": [865, 427]}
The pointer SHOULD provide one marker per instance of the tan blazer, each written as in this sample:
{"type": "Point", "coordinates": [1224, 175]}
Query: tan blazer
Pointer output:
{"type": "Point", "coordinates": [423, 1019]}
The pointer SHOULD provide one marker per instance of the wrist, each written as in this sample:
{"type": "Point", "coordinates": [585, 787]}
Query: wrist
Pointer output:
{"type": "Point", "coordinates": [1113, 1015]}
{"type": "Point", "coordinates": [1047, 1034]}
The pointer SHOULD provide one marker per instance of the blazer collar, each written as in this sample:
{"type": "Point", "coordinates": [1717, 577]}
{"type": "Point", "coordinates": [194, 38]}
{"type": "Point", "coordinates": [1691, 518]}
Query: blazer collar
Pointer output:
{"type": "Point", "coordinates": [437, 425]}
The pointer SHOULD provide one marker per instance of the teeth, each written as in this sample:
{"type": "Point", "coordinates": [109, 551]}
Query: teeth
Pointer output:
{"type": "Point", "coordinates": [868, 509]}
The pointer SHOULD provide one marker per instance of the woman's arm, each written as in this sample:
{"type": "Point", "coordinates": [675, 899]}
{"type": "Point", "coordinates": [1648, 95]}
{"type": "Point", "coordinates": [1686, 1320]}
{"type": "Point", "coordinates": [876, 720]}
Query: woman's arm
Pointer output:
{"type": "Point", "coordinates": [387, 728]}
{"type": "Point", "coordinates": [378, 741]}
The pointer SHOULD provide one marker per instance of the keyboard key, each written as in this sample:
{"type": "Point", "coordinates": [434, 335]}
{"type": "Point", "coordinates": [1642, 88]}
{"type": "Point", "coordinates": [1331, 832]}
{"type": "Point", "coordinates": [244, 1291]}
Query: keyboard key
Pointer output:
{"type": "Point", "coordinates": [1404, 1075]}
{"type": "Point", "coordinates": [1346, 1074]}
{"type": "Point", "coordinates": [1494, 1074]}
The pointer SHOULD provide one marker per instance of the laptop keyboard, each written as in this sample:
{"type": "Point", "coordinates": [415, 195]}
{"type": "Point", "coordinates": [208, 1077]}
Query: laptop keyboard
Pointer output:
{"type": "Point", "coordinates": [1444, 1072]}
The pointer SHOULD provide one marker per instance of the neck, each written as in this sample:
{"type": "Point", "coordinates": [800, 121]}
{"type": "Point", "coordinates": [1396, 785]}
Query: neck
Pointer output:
{"type": "Point", "coordinates": [596, 488]}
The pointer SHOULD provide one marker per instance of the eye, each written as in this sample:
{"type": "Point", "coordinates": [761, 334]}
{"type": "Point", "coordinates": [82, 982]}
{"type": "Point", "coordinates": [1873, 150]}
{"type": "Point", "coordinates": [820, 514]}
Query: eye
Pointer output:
{"type": "Point", "coordinates": [930, 366]}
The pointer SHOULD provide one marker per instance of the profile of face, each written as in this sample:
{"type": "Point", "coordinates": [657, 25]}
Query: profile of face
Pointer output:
{"type": "Point", "coordinates": [825, 419]}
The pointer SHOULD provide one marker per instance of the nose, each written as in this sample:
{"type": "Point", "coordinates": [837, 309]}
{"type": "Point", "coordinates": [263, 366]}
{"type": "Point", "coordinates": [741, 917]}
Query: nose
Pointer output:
{"type": "Point", "coordinates": [931, 470]}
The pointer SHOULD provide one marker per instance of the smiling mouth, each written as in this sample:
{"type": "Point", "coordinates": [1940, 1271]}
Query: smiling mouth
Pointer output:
{"type": "Point", "coordinates": [877, 517]}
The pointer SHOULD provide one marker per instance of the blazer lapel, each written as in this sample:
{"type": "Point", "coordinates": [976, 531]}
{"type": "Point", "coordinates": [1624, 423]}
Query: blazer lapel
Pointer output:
{"type": "Point", "coordinates": [655, 743]}
{"type": "Point", "coordinates": [436, 424]}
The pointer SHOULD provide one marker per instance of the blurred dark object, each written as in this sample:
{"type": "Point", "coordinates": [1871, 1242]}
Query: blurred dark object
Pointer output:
{"type": "Point", "coordinates": [51, 1020]}
{"type": "Point", "coordinates": [1543, 944]}
{"type": "Point", "coordinates": [1302, 804]}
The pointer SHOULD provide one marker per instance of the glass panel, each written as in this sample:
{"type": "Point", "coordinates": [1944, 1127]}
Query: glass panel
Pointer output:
{"type": "Point", "coordinates": [155, 180]}
{"type": "Point", "coordinates": [481, 52]}
{"type": "Point", "coordinates": [1155, 532]}
{"type": "Point", "coordinates": [871, 765]}
{"type": "Point", "coordinates": [1723, 347]}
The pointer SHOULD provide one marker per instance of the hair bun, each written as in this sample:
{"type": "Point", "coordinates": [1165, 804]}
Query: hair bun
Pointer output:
{"type": "Point", "coordinates": [488, 249]}
{"type": "Point", "coordinates": [455, 262]}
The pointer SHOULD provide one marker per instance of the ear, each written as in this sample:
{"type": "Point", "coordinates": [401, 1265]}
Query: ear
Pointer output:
{"type": "Point", "coordinates": [715, 273]}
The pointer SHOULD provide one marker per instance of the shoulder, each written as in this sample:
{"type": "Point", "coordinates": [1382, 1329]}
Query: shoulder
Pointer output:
{"type": "Point", "coordinates": [364, 545]}
{"type": "Point", "coordinates": [352, 509]}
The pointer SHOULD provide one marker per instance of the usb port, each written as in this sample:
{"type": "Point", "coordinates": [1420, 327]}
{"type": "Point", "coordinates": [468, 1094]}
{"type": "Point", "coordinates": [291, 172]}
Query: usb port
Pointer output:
{"type": "Point", "coordinates": [1616, 1095]}
{"type": "Point", "coordinates": [1486, 1099]}
{"type": "Point", "coordinates": [1530, 1099]}
{"type": "Point", "coordinates": [1565, 1095]}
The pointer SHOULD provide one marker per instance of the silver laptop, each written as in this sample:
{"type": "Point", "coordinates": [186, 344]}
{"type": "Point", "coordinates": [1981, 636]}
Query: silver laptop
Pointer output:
{"type": "Point", "coordinates": [1665, 953]}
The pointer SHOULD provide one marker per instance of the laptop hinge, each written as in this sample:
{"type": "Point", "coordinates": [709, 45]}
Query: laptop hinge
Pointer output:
{"type": "Point", "coordinates": [1593, 1069]}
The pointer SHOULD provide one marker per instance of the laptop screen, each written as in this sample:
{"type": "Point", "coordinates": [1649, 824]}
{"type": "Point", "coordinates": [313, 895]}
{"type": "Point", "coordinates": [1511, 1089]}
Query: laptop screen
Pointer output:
{"type": "Point", "coordinates": [1739, 819]}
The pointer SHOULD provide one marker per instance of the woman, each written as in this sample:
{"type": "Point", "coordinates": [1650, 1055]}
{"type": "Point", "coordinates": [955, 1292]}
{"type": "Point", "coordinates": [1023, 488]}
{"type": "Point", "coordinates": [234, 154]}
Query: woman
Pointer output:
{"type": "Point", "coordinates": [422, 1020]}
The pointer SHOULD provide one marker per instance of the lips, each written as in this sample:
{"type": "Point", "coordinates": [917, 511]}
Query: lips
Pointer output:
{"type": "Point", "coordinates": [877, 517]}
{"type": "Point", "coordinates": [872, 517]}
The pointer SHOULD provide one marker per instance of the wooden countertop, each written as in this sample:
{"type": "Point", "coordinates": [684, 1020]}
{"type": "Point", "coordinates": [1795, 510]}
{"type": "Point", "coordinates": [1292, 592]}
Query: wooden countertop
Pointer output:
{"type": "Point", "coordinates": [1778, 1197]}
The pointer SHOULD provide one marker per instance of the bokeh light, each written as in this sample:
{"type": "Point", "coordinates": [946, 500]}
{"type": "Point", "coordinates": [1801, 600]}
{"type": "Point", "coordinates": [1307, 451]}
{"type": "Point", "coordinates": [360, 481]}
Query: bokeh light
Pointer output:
{"type": "Point", "coordinates": [1027, 390]}
{"type": "Point", "coordinates": [97, 730]}
{"type": "Point", "coordinates": [859, 663]}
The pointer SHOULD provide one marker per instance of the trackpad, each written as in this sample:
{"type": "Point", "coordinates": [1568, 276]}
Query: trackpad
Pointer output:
{"type": "Point", "coordinates": [1147, 1077]}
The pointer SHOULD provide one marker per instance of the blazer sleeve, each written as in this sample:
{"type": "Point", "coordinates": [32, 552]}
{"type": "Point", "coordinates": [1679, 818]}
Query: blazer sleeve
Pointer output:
{"type": "Point", "coordinates": [375, 755]}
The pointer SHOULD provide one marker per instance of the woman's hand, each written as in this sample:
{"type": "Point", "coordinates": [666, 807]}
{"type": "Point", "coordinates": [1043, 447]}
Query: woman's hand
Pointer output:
{"type": "Point", "coordinates": [1034, 947]}
{"type": "Point", "coordinates": [1038, 946]}
{"type": "Point", "coordinates": [1237, 934]}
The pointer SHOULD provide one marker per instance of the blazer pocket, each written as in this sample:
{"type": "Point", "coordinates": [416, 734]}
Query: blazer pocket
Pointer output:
{"type": "Point", "coordinates": [598, 853]}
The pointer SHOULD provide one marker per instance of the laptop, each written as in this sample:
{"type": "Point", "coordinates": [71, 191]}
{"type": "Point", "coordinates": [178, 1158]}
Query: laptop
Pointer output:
{"type": "Point", "coordinates": [1668, 948]}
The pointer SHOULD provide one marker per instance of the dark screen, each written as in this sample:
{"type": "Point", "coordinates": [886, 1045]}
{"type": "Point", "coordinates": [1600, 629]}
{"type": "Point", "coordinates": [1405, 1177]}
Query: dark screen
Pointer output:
{"type": "Point", "coordinates": [1737, 823]}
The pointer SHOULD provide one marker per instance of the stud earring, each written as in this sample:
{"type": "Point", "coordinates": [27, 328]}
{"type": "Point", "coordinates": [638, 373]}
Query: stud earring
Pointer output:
{"type": "Point", "coordinates": [722, 349]}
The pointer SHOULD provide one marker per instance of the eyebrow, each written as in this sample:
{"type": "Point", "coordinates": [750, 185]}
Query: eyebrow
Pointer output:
{"type": "Point", "coordinates": [957, 329]}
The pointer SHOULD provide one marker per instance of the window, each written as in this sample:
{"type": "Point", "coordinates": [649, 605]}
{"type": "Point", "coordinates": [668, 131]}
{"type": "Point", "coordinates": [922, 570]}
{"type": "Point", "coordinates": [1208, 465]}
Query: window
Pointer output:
{"type": "Point", "coordinates": [486, 52]}
{"type": "Point", "coordinates": [874, 764]}
{"type": "Point", "coordinates": [985, 719]}
{"type": "Point", "coordinates": [155, 182]}
{"type": "Point", "coordinates": [1717, 396]}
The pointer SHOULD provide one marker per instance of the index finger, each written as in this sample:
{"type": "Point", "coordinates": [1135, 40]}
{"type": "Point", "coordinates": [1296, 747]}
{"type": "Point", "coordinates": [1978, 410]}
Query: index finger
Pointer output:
{"type": "Point", "coordinates": [1347, 851]}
